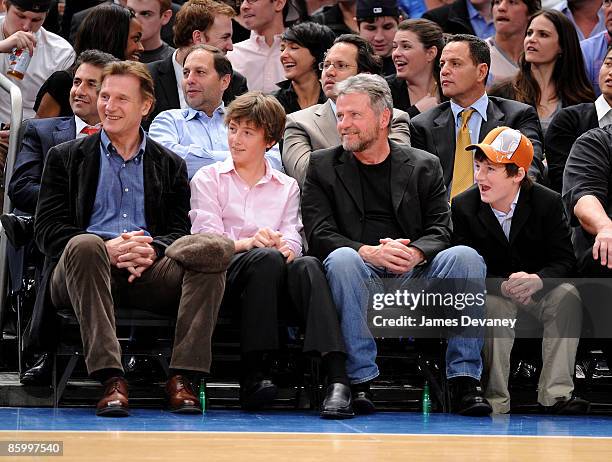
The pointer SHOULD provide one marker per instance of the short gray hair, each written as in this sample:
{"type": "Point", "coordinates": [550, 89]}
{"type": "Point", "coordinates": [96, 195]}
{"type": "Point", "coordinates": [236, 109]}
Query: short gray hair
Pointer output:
{"type": "Point", "coordinates": [372, 85]}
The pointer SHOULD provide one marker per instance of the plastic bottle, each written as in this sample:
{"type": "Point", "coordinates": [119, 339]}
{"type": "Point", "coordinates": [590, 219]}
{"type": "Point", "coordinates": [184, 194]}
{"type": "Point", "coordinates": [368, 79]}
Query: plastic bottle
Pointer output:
{"type": "Point", "coordinates": [426, 399]}
{"type": "Point", "coordinates": [203, 395]}
{"type": "Point", "coordinates": [19, 60]}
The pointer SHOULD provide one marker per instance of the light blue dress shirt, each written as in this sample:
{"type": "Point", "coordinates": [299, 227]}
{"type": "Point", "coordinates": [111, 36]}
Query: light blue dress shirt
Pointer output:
{"type": "Point", "coordinates": [119, 203]}
{"type": "Point", "coordinates": [599, 28]}
{"type": "Point", "coordinates": [480, 114]}
{"type": "Point", "coordinates": [197, 138]}
{"type": "Point", "coordinates": [482, 28]}
{"type": "Point", "coordinates": [594, 51]}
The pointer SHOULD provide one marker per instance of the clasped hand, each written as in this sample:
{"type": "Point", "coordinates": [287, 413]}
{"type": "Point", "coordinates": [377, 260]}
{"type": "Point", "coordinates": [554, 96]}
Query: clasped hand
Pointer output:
{"type": "Point", "coordinates": [265, 237]}
{"type": "Point", "coordinates": [132, 251]}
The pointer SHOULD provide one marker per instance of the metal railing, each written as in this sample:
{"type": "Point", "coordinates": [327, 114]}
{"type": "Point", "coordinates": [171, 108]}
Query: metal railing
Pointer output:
{"type": "Point", "coordinates": [16, 121]}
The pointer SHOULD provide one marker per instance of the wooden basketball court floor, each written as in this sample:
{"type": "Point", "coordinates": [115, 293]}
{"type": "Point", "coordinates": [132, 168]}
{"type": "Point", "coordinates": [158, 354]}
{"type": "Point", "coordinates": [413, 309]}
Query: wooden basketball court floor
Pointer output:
{"type": "Point", "coordinates": [229, 435]}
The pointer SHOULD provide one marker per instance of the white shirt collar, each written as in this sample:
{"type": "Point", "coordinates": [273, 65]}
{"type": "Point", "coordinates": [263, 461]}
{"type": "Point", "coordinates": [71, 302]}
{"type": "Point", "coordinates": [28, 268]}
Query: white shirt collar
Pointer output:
{"type": "Point", "coordinates": [80, 124]}
{"type": "Point", "coordinates": [499, 214]}
{"type": "Point", "coordinates": [602, 107]}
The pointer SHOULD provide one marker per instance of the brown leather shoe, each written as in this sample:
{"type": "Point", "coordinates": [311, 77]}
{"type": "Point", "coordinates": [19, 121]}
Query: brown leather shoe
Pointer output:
{"type": "Point", "coordinates": [114, 403]}
{"type": "Point", "coordinates": [181, 398]}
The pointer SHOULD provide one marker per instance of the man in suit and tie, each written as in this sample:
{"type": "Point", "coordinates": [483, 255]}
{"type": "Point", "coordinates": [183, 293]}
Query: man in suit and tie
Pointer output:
{"type": "Point", "coordinates": [572, 121]}
{"type": "Point", "coordinates": [110, 204]}
{"type": "Point", "coordinates": [470, 114]}
{"type": "Point", "coordinates": [521, 230]}
{"type": "Point", "coordinates": [205, 22]}
{"type": "Point", "coordinates": [375, 209]}
{"type": "Point", "coordinates": [315, 127]}
{"type": "Point", "coordinates": [42, 134]}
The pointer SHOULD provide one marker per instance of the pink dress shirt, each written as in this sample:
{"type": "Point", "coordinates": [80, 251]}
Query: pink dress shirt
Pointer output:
{"type": "Point", "coordinates": [222, 203]}
{"type": "Point", "coordinates": [258, 62]}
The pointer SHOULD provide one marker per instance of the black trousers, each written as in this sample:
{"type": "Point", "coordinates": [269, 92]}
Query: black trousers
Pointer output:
{"type": "Point", "coordinates": [261, 288]}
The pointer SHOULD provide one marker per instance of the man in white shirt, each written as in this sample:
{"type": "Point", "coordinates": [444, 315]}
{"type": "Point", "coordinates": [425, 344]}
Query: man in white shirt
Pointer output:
{"type": "Point", "coordinates": [22, 28]}
{"type": "Point", "coordinates": [258, 57]}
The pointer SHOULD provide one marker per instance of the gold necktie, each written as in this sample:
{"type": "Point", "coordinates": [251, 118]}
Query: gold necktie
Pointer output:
{"type": "Point", "coordinates": [463, 170]}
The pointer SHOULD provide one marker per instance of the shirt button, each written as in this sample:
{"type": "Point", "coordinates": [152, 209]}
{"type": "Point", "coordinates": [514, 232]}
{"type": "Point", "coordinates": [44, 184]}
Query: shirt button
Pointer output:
{"type": "Point", "coordinates": [125, 215]}
{"type": "Point", "coordinates": [123, 166]}
{"type": "Point", "coordinates": [126, 189]}
{"type": "Point", "coordinates": [125, 230]}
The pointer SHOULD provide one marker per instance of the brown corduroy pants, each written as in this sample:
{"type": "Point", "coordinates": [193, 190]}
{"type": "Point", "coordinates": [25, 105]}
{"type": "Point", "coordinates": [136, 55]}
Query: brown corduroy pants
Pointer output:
{"type": "Point", "coordinates": [85, 280]}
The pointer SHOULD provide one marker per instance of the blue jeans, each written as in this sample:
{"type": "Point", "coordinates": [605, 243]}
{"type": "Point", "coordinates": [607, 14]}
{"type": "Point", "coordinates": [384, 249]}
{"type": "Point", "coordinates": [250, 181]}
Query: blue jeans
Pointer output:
{"type": "Point", "coordinates": [348, 277]}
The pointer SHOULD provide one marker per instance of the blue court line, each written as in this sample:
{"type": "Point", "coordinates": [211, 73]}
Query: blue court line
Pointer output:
{"type": "Point", "coordinates": [402, 423]}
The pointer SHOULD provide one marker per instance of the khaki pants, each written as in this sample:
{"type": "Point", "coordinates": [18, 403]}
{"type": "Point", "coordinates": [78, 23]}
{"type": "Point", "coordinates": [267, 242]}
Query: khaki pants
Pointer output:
{"type": "Point", "coordinates": [560, 311]}
{"type": "Point", "coordinates": [85, 280]}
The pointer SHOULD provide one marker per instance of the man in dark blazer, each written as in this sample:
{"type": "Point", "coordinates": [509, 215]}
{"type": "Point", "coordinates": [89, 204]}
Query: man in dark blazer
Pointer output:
{"type": "Point", "coordinates": [571, 122]}
{"type": "Point", "coordinates": [208, 24]}
{"type": "Point", "coordinates": [110, 205]}
{"type": "Point", "coordinates": [521, 230]}
{"type": "Point", "coordinates": [465, 62]}
{"type": "Point", "coordinates": [77, 18]}
{"type": "Point", "coordinates": [373, 209]}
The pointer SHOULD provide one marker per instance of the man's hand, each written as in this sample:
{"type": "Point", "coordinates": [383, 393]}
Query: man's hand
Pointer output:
{"type": "Point", "coordinates": [602, 248]}
{"type": "Point", "coordinates": [132, 251]}
{"type": "Point", "coordinates": [137, 255]}
{"type": "Point", "coordinates": [19, 39]}
{"type": "Point", "coordinates": [521, 286]}
{"type": "Point", "coordinates": [265, 237]}
{"type": "Point", "coordinates": [392, 254]}
{"type": "Point", "coordinates": [4, 136]}
{"type": "Point", "coordinates": [286, 251]}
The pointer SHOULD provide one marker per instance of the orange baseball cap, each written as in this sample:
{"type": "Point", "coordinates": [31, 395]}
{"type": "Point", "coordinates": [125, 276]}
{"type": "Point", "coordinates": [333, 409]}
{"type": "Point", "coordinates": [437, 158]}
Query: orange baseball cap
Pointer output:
{"type": "Point", "coordinates": [504, 145]}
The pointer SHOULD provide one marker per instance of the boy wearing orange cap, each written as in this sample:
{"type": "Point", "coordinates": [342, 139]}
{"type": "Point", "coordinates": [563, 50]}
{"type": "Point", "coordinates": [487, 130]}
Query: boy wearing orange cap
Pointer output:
{"type": "Point", "coordinates": [521, 230]}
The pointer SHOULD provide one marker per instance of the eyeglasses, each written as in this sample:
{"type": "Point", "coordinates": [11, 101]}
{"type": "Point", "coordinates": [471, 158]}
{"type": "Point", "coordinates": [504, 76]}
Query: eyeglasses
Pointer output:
{"type": "Point", "coordinates": [607, 3]}
{"type": "Point", "coordinates": [339, 66]}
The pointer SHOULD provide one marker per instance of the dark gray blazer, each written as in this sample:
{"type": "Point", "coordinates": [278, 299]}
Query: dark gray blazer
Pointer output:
{"type": "Point", "coordinates": [434, 131]}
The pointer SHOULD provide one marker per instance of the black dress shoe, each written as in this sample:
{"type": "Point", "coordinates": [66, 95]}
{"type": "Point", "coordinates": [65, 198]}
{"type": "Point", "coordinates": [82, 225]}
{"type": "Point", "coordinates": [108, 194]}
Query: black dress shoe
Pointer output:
{"type": "Point", "coordinates": [467, 397]}
{"type": "Point", "coordinates": [39, 373]}
{"type": "Point", "coordinates": [257, 395]}
{"type": "Point", "coordinates": [363, 403]}
{"type": "Point", "coordinates": [337, 402]}
{"type": "Point", "coordinates": [19, 229]}
{"type": "Point", "coordinates": [572, 406]}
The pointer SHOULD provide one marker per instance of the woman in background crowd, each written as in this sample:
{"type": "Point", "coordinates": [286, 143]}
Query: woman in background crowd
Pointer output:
{"type": "Point", "coordinates": [303, 47]}
{"type": "Point", "coordinates": [109, 28]}
{"type": "Point", "coordinates": [551, 68]}
{"type": "Point", "coordinates": [416, 53]}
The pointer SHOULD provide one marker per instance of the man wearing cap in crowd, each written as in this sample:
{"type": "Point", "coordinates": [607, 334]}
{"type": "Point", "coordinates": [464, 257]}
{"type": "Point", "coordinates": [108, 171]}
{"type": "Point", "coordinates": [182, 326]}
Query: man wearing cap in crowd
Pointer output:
{"type": "Point", "coordinates": [521, 230]}
{"type": "Point", "coordinates": [377, 21]}
{"type": "Point", "coordinates": [22, 29]}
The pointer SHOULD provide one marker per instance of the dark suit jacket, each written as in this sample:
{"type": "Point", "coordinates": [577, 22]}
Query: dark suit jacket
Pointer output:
{"type": "Point", "coordinates": [66, 200]}
{"type": "Point", "coordinates": [564, 129]}
{"type": "Point", "coordinates": [332, 204]}
{"type": "Point", "coordinates": [434, 131]}
{"type": "Point", "coordinates": [166, 33]}
{"type": "Point", "coordinates": [166, 90]}
{"type": "Point", "coordinates": [40, 135]}
{"type": "Point", "coordinates": [540, 236]}
{"type": "Point", "coordinates": [452, 18]}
